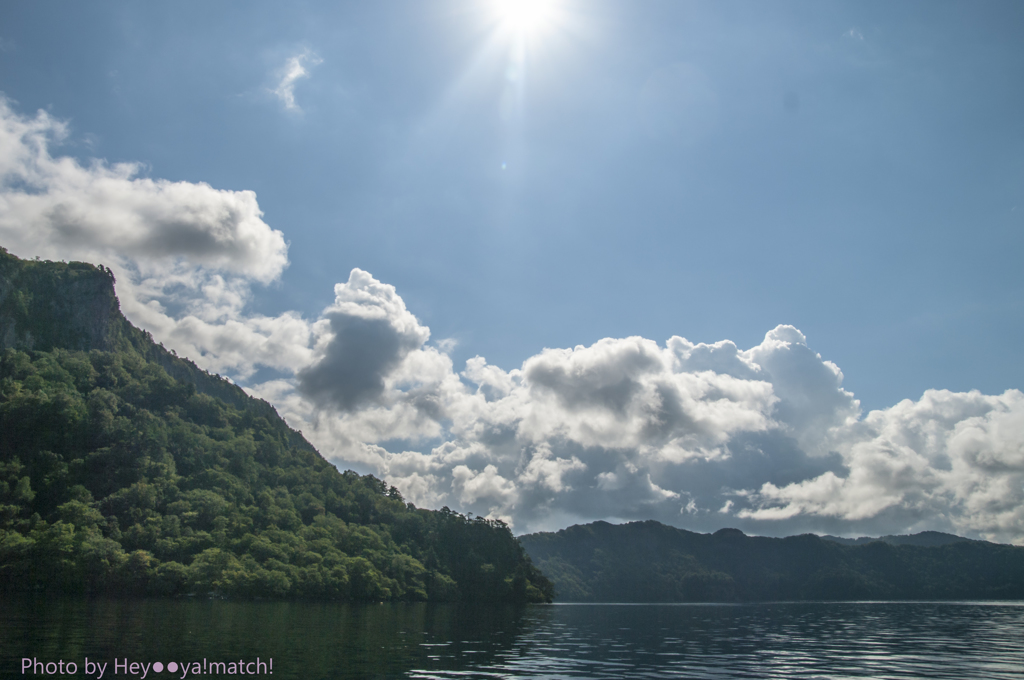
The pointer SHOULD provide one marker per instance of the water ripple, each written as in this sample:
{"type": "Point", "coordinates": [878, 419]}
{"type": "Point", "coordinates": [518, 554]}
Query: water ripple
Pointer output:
{"type": "Point", "coordinates": [810, 641]}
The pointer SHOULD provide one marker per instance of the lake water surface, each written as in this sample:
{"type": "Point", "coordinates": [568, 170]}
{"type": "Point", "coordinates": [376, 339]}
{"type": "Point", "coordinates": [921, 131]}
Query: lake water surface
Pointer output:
{"type": "Point", "coordinates": [313, 641]}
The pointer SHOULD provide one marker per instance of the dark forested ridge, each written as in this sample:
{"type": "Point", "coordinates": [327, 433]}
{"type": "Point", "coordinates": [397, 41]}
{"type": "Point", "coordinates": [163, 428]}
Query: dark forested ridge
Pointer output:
{"type": "Point", "coordinates": [926, 539]}
{"type": "Point", "coordinates": [127, 470]}
{"type": "Point", "coordinates": [651, 562]}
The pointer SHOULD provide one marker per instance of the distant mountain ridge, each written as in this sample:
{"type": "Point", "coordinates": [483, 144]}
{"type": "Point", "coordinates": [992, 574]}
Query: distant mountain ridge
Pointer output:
{"type": "Point", "coordinates": [652, 562]}
{"type": "Point", "coordinates": [925, 539]}
{"type": "Point", "coordinates": [127, 470]}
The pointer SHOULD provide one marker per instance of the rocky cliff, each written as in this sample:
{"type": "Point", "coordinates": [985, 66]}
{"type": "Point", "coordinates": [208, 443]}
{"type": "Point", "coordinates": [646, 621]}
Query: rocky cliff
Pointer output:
{"type": "Point", "coordinates": [46, 305]}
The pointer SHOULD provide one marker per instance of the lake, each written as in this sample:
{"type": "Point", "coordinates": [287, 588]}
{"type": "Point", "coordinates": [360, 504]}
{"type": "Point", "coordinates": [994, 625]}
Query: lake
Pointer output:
{"type": "Point", "coordinates": [312, 641]}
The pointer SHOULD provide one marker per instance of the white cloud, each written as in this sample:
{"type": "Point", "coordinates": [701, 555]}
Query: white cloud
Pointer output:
{"type": "Point", "coordinates": [547, 471]}
{"type": "Point", "coordinates": [487, 485]}
{"type": "Point", "coordinates": [764, 438]}
{"type": "Point", "coordinates": [954, 456]}
{"type": "Point", "coordinates": [699, 435]}
{"type": "Point", "coordinates": [184, 254]}
{"type": "Point", "coordinates": [111, 211]}
{"type": "Point", "coordinates": [294, 69]}
{"type": "Point", "coordinates": [367, 334]}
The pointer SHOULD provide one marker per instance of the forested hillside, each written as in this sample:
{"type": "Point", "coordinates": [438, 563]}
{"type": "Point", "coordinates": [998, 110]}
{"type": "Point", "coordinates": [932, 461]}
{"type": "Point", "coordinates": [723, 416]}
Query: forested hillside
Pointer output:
{"type": "Point", "coordinates": [127, 470]}
{"type": "Point", "coordinates": [927, 539]}
{"type": "Point", "coordinates": [651, 562]}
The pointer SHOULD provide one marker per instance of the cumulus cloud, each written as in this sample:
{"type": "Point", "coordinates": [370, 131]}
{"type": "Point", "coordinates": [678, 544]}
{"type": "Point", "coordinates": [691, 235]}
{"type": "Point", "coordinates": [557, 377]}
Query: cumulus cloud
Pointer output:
{"type": "Point", "coordinates": [369, 333]}
{"type": "Point", "coordinates": [950, 458]}
{"type": "Point", "coordinates": [295, 68]}
{"type": "Point", "coordinates": [107, 209]}
{"type": "Point", "coordinates": [185, 254]}
{"type": "Point", "coordinates": [697, 435]}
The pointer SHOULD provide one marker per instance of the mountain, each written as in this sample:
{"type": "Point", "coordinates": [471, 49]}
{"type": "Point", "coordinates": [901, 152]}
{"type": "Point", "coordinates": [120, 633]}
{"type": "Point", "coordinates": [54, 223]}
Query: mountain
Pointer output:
{"type": "Point", "coordinates": [125, 469]}
{"type": "Point", "coordinates": [652, 562]}
{"type": "Point", "coordinates": [927, 539]}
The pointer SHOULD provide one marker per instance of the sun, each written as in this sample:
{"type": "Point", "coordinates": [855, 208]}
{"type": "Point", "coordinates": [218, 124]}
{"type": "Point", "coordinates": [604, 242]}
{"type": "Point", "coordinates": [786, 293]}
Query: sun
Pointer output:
{"type": "Point", "coordinates": [524, 16]}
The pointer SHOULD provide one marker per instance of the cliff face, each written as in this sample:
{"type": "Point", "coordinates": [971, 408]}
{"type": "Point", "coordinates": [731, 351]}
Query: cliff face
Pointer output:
{"type": "Point", "coordinates": [44, 305]}
{"type": "Point", "coordinates": [72, 305]}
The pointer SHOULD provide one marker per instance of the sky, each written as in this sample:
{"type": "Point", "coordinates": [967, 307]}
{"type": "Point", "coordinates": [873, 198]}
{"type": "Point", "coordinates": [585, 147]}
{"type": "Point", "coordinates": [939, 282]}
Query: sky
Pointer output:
{"type": "Point", "coordinates": [712, 263]}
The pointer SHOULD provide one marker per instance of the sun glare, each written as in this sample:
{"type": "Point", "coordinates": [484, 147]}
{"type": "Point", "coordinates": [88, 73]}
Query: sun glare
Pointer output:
{"type": "Point", "coordinates": [524, 16]}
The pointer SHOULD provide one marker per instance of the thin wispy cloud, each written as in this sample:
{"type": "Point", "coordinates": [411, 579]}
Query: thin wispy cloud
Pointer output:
{"type": "Point", "coordinates": [295, 68]}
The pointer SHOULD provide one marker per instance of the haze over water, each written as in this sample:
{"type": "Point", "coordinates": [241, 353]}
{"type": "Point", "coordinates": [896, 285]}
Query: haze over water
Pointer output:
{"type": "Point", "coordinates": [313, 641]}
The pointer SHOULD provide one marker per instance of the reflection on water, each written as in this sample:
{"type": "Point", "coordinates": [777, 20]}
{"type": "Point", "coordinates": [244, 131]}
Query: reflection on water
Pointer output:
{"type": "Point", "coordinates": [305, 640]}
{"type": "Point", "coordinates": [312, 641]}
{"type": "Point", "coordinates": [794, 640]}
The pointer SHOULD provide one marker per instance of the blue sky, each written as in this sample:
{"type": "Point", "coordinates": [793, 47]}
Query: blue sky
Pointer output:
{"type": "Point", "coordinates": [709, 170]}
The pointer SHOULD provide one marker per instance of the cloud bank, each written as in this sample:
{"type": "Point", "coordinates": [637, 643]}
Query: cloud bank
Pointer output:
{"type": "Point", "coordinates": [697, 435]}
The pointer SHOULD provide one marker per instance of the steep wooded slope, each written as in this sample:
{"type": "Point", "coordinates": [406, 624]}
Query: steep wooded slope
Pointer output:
{"type": "Point", "coordinates": [125, 469]}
